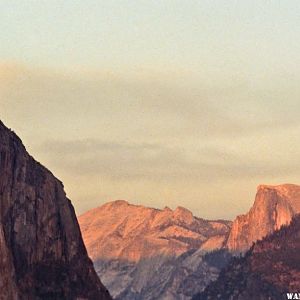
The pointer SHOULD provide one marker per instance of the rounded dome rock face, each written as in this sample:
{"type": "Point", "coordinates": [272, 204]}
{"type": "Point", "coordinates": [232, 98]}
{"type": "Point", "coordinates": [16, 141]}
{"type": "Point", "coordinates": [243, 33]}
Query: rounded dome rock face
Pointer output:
{"type": "Point", "coordinates": [274, 206]}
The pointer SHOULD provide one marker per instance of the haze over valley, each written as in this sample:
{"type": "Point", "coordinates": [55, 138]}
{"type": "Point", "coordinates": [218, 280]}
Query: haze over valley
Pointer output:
{"type": "Point", "coordinates": [149, 150]}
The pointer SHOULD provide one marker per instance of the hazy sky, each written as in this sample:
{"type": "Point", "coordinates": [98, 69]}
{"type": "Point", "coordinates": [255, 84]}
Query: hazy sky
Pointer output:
{"type": "Point", "coordinates": [190, 103]}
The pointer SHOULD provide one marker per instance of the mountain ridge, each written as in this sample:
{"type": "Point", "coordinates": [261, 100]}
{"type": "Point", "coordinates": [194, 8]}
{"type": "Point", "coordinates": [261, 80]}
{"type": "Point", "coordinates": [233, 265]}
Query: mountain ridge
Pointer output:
{"type": "Point", "coordinates": [133, 226]}
{"type": "Point", "coordinates": [151, 251]}
{"type": "Point", "coordinates": [160, 223]}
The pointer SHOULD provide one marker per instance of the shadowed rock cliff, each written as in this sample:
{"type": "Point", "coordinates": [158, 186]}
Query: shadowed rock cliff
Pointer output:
{"type": "Point", "coordinates": [42, 255]}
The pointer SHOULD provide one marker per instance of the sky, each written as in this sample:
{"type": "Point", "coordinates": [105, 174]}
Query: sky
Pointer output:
{"type": "Point", "coordinates": [161, 103]}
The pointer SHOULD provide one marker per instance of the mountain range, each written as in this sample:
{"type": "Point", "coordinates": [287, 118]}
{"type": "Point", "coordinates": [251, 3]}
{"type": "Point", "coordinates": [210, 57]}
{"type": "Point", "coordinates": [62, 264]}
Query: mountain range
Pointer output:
{"type": "Point", "coordinates": [145, 253]}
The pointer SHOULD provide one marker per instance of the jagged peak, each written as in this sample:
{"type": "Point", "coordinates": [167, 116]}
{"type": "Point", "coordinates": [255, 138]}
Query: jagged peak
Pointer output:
{"type": "Point", "coordinates": [182, 209]}
{"type": "Point", "coordinates": [167, 208]}
{"type": "Point", "coordinates": [183, 213]}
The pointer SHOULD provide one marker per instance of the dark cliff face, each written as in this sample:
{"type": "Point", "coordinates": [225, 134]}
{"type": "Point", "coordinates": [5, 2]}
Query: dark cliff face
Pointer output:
{"type": "Point", "coordinates": [42, 255]}
{"type": "Point", "coordinates": [269, 269]}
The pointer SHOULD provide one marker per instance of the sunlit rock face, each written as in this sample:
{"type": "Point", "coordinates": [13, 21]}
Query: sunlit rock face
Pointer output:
{"type": "Point", "coordinates": [121, 230]}
{"type": "Point", "coordinates": [146, 253]}
{"type": "Point", "coordinates": [274, 206]}
{"type": "Point", "coordinates": [42, 255]}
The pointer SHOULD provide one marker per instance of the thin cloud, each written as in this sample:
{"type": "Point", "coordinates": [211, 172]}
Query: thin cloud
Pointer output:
{"type": "Point", "coordinates": [156, 162]}
{"type": "Point", "coordinates": [163, 106]}
{"type": "Point", "coordinates": [150, 135]}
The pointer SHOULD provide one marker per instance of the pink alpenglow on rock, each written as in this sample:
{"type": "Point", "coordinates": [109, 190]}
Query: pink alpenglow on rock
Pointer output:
{"type": "Point", "coordinates": [274, 206]}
